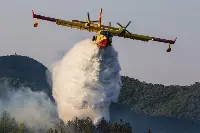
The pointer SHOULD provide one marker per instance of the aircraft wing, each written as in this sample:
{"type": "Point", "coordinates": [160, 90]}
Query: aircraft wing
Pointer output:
{"type": "Point", "coordinates": [109, 27]}
{"type": "Point", "coordinates": [103, 27]}
{"type": "Point", "coordinates": [70, 24]}
{"type": "Point", "coordinates": [132, 36]}
{"type": "Point", "coordinates": [77, 25]}
{"type": "Point", "coordinates": [142, 37]}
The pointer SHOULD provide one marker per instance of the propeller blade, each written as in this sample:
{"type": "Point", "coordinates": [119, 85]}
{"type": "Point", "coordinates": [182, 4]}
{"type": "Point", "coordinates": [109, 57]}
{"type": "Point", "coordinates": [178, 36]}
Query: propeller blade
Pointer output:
{"type": "Point", "coordinates": [124, 30]}
{"type": "Point", "coordinates": [128, 24]}
{"type": "Point", "coordinates": [128, 32]}
{"type": "Point", "coordinates": [88, 16]}
{"type": "Point", "coordinates": [120, 25]}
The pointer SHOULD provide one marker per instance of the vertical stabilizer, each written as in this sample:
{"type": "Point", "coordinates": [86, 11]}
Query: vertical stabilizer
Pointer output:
{"type": "Point", "coordinates": [100, 16]}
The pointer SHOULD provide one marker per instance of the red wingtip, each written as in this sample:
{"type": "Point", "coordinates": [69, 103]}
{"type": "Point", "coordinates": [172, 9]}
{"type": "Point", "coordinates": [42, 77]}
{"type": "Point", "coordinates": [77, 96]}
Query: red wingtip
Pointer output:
{"type": "Point", "coordinates": [33, 14]}
{"type": "Point", "coordinates": [175, 39]}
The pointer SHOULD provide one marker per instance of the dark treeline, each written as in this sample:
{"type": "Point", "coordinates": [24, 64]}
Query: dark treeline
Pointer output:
{"type": "Point", "coordinates": [10, 125]}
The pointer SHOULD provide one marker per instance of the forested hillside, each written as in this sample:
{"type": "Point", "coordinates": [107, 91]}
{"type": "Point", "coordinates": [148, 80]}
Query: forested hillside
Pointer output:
{"type": "Point", "coordinates": [17, 70]}
{"type": "Point", "coordinates": [157, 99]}
{"type": "Point", "coordinates": [151, 99]}
{"type": "Point", "coordinates": [148, 98]}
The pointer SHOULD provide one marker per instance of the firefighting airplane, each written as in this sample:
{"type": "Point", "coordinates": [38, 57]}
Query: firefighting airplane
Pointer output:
{"type": "Point", "coordinates": [104, 34]}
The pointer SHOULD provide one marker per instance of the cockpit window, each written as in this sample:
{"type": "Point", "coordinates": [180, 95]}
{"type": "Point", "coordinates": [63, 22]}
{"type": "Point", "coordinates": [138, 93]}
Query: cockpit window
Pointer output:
{"type": "Point", "coordinates": [106, 33]}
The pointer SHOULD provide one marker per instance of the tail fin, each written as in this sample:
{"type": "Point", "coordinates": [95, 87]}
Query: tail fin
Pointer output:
{"type": "Point", "coordinates": [100, 16]}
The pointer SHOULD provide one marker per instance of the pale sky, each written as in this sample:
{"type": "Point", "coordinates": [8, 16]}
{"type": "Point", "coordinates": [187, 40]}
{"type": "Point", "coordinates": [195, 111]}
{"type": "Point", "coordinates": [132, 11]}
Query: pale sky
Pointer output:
{"type": "Point", "coordinates": [146, 61]}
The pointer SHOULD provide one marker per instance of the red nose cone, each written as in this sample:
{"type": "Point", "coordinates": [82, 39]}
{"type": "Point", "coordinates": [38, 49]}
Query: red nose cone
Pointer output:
{"type": "Point", "coordinates": [102, 43]}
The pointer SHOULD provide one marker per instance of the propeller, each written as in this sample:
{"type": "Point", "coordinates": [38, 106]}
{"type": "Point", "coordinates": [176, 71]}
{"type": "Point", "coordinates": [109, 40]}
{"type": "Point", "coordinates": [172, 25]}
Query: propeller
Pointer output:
{"type": "Point", "coordinates": [109, 28]}
{"type": "Point", "coordinates": [124, 28]}
{"type": "Point", "coordinates": [88, 20]}
{"type": "Point", "coordinates": [95, 21]}
{"type": "Point", "coordinates": [110, 24]}
{"type": "Point", "coordinates": [88, 16]}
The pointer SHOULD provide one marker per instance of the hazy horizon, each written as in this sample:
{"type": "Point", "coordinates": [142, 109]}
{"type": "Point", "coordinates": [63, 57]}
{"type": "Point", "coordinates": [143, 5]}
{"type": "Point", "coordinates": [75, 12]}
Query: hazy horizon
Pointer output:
{"type": "Point", "coordinates": [146, 61]}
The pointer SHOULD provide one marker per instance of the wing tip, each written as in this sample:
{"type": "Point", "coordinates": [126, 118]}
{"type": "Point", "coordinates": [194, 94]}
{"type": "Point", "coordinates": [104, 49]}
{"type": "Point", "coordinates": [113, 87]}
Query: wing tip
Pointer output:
{"type": "Point", "coordinates": [33, 14]}
{"type": "Point", "coordinates": [175, 39]}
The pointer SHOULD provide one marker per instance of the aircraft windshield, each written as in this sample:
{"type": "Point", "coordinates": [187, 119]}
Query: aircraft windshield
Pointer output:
{"type": "Point", "coordinates": [106, 34]}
